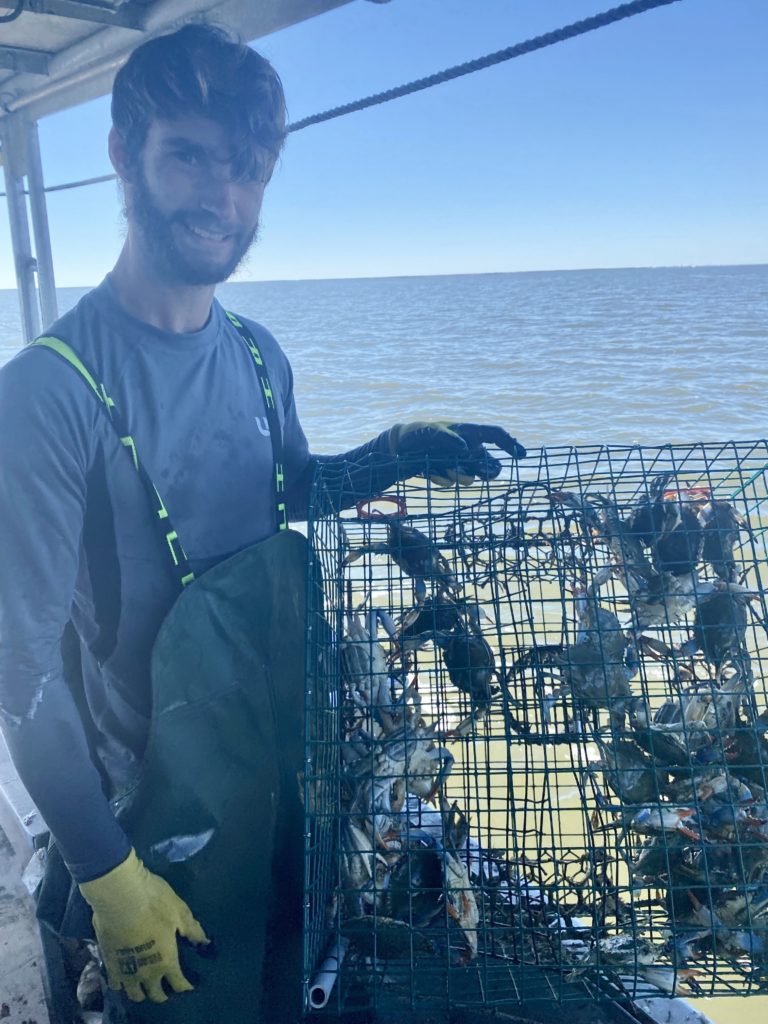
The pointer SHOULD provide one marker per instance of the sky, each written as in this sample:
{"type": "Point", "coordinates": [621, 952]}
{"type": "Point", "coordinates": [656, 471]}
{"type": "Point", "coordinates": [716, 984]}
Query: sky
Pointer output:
{"type": "Point", "coordinates": [641, 144]}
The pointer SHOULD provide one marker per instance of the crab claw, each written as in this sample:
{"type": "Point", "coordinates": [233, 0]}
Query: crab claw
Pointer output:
{"type": "Point", "coordinates": [665, 819]}
{"type": "Point", "coordinates": [560, 497]}
{"type": "Point", "coordinates": [466, 726]}
{"type": "Point", "coordinates": [668, 979]}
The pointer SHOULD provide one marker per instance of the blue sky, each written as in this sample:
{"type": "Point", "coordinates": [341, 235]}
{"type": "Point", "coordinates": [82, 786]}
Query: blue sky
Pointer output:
{"type": "Point", "coordinates": [644, 143]}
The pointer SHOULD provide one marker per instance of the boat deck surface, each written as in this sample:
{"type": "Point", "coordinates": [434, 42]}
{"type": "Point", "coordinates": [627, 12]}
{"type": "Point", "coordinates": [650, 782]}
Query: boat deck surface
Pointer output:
{"type": "Point", "coordinates": [21, 956]}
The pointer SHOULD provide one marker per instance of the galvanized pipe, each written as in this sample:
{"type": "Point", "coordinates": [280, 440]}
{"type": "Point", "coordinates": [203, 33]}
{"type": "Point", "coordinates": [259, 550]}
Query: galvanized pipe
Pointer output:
{"type": "Point", "coordinates": [46, 282]}
{"type": "Point", "coordinates": [12, 140]}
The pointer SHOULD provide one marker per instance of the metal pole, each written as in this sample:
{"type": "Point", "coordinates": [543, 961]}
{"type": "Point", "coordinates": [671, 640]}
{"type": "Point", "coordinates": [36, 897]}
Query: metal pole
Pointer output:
{"type": "Point", "coordinates": [45, 280]}
{"type": "Point", "coordinates": [13, 163]}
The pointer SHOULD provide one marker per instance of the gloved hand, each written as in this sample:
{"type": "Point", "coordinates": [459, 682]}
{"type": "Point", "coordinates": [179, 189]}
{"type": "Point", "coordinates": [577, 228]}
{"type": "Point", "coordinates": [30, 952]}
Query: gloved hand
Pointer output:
{"type": "Point", "coordinates": [455, 450]}
{"type": "Point", "coordinates": [136, 916]}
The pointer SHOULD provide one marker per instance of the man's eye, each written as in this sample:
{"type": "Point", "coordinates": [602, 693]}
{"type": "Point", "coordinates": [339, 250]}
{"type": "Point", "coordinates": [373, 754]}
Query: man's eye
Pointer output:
{"type": "Point", "coordinates": [256, 172]}
{"type": "Point", "coordinates": [186, 156]}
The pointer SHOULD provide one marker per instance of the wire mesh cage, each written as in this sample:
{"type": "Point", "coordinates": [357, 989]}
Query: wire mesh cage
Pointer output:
{"type": "Point", "coordinates": [536, 717]}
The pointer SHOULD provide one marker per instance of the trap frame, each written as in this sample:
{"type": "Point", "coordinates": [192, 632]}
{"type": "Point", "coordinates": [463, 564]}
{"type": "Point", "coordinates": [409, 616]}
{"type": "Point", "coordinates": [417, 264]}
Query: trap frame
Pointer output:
{"type": "Point", "coordinates": [588, 819]}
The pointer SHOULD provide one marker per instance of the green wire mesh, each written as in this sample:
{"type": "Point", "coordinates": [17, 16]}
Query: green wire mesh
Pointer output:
{"type": "Point", "coordinates": [536, 734]}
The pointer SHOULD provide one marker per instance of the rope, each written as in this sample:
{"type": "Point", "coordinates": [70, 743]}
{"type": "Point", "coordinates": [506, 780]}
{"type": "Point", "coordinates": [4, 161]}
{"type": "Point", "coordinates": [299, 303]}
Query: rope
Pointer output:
{"type": "Point", "coordinates": [577, 28]}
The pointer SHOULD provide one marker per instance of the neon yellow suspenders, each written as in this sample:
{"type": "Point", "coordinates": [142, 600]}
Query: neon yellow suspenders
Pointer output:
{"type": "Point", "coordinates": [160, 516]}
{"type": "Point", "coordinates": [159, 511]}
{"type": "Point", "coordinates": [275, 433]}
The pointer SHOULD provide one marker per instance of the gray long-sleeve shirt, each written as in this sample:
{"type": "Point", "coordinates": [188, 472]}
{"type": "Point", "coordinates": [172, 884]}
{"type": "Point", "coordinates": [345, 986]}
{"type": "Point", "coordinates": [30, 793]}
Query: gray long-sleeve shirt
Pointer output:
{"type": "Point", "coordinates": [77, 541]}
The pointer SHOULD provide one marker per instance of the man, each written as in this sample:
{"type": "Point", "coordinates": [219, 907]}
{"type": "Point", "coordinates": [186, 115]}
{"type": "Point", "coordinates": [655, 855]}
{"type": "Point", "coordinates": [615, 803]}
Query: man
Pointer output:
{"type": "Point", "coordinates": [148, 404]}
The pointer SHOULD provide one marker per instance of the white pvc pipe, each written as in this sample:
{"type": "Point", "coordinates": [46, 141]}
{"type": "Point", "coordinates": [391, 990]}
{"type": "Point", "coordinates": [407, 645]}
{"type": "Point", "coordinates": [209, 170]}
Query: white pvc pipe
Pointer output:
{"type": "Point", "coordinates": [13, 144]}
{"type": "Point", "coordinates": [327, 974]}
{"type": "Point", "coordinates": [46, 282]}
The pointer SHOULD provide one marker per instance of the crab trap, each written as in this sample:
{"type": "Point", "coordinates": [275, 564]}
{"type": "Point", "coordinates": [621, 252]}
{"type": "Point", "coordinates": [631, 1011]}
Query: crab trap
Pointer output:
{"type": "Point", "coordinates": [536, 755]}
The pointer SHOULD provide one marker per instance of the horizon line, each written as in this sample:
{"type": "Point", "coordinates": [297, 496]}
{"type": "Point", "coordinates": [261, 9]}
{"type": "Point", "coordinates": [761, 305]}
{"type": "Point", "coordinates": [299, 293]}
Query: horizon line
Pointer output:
{"type": "Point", "coordinates": [463, 273]}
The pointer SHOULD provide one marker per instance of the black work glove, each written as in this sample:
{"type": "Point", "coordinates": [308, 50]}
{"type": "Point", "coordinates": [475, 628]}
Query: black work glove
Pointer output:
{"type": "Point", "coordinates": [455, 451]}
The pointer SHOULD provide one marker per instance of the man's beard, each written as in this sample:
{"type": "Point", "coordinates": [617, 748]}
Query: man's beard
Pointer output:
{"type": "Point", "coordinates": [170, 263]}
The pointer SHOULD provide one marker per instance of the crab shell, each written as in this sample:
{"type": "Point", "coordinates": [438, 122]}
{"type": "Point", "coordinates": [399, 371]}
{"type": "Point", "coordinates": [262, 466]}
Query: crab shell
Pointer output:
{"type": "Point", "coordinates": [461, 903]}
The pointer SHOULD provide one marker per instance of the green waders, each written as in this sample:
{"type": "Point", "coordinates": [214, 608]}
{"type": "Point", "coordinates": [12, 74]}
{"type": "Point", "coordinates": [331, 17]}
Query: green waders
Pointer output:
{"type": "Point", "coordinates": [216, 810]}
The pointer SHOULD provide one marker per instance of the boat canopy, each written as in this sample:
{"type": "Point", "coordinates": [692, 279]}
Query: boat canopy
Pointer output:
{"type": "Point", "coordinates": [56, 54]}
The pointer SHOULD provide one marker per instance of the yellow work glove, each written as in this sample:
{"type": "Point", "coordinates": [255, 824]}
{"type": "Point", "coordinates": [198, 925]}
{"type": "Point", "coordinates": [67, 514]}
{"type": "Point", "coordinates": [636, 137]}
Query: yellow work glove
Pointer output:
{"type": "Point", "coordinates": [454, 452]}
{"type": "Point", "coordinates": [136, 917]}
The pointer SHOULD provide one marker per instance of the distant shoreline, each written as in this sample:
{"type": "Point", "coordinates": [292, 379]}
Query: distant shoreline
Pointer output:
{"type": "Point", "coordinates": [482, 273]}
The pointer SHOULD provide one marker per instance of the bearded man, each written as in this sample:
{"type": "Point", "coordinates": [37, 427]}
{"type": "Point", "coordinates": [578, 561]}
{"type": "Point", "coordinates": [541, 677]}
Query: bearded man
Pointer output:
{"type": "Point", "coordinates": [151, 456]}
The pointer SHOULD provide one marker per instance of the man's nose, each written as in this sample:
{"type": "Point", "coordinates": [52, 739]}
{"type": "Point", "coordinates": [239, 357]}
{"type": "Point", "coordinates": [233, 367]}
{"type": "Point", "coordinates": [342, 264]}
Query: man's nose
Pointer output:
{"type": "Point", "coordinates": [219, 194]}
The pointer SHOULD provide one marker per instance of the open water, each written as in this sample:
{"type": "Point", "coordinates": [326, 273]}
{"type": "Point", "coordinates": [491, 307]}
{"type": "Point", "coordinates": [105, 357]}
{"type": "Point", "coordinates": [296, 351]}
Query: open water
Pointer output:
{"type": "Point", "coordinates": [650, 355]}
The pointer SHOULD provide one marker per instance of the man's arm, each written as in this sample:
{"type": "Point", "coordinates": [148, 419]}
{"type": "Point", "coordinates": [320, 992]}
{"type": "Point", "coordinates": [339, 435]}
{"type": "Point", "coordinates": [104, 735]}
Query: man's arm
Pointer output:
{"type": "Point", "coordinates": [448, 453]}
{"type": "Point", "coordinates": [43, 466]}
{"type": "Point", "coordinates": [361, 473]}
{"type": "Point", "coordinates": [46, 434]}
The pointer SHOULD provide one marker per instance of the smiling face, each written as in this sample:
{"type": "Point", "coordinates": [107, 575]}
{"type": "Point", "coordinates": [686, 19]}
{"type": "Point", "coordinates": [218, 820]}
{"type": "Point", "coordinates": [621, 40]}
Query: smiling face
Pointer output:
{"type": "Point", "coordinates": [192, 214]}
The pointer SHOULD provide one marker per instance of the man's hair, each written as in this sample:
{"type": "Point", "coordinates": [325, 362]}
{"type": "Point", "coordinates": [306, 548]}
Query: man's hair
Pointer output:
{"type": "Point", "coordinates": [201, 70]}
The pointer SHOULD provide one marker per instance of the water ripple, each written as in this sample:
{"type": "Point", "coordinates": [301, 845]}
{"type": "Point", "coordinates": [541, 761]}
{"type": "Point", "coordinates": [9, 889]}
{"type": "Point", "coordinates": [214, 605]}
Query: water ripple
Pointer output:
{"type": "Point", "coordinates": [624, 356]}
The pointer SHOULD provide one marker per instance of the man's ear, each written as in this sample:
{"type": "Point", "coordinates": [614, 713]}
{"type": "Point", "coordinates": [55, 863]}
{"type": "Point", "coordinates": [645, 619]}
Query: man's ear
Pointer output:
{"type": "Point", "coordinates": [118, 155]}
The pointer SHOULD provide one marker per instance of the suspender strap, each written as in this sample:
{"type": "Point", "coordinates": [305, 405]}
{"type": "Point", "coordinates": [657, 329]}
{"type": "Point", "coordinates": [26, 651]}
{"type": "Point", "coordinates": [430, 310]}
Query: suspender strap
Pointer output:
{"type": "Point", "coordinates": [273, 421]}
{"type": "Point", "coordinates": [160, 517]}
